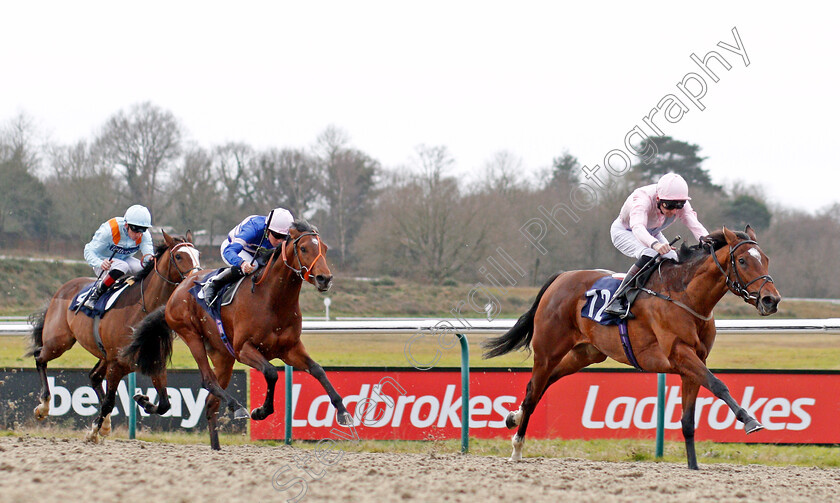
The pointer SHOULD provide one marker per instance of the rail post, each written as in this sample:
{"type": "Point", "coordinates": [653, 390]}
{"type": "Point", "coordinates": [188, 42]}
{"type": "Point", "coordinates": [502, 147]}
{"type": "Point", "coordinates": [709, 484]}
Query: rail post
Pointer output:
{"type": "Point", "coordinates": [288, 425]}
{"type": "Point", "coordinates": [132, 406]}
{"type": "Point", "coordinates": [660, 415]}
{"type": "Point", "coordinates": [465, 393]}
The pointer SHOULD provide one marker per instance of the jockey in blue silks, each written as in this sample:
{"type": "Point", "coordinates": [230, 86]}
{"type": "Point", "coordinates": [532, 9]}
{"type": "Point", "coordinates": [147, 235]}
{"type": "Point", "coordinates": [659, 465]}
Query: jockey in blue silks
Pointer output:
{"type": "Point", "coordinates": [113, 246]}
{"type": "Point", "coordinates": [241, 245]}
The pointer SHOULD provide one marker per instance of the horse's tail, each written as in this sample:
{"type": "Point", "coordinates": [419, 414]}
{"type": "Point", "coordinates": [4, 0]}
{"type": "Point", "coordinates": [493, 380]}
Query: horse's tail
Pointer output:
{"type": "Point", "coordinates": [519, 336]}
{"type": "Point", "coordinates": [36, 336]}
{"type": "Point", "coordinates": [151, 345]}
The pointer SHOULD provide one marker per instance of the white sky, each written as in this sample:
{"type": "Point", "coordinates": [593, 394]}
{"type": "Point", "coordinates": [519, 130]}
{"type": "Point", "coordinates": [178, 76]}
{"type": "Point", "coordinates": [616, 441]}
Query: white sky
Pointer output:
{"type": "Point", "coordinates": [534, 78]}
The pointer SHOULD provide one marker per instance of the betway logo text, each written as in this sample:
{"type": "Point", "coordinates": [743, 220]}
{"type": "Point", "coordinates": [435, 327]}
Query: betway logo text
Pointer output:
{"type": "Point", "coordinates": [83, 401]}
{"type": "Point", "coordinates": [624, 412]}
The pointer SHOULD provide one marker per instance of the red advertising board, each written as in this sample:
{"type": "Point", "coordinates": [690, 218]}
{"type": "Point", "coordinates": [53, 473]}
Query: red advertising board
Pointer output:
{"type": "Point", "coordinates": [414, 405]}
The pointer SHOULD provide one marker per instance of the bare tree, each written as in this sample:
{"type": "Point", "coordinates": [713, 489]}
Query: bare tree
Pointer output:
{"type": "Point", "coordinates": [286, 178]}
{"type": "Point", "coordinates": [24, 205]}
{"type": "Point", "coordinates": [192, 198]}
{"type": "Point", "coordinates": [348, 177]}
{"type": "Point", "coordinates": [83, 189]}
{"type": "Point", "coordinates": [502, 173]}
{"type": "Point", "coordinates": [142, 143]}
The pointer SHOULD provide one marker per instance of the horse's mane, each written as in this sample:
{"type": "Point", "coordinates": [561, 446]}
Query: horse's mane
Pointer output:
{"type": "Point", "coordinates": [300, 225]}
{"type": "Point", "coordinates": [678, 274]}
{"type": "Point", "coordinates": [692, 253]}
{"type": "Point", "coordinates": [160, 248]}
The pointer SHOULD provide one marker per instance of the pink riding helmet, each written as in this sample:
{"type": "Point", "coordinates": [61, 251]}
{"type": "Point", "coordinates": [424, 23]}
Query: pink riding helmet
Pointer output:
{"type": "Point", "coordinates": [672, 187]}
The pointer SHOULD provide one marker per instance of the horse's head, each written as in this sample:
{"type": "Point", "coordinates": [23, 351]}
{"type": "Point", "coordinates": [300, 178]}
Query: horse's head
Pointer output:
{"type": "Point", "coordinates": [747, 272]}
{"type": "Point", "coordinates": [181, 260]}
{"type": "Point", "coordinates": [306, 254]}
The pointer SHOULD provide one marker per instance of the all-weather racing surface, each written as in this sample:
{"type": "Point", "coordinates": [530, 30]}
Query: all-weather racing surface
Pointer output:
{"type": "Point", "coordinates": [61, 470]}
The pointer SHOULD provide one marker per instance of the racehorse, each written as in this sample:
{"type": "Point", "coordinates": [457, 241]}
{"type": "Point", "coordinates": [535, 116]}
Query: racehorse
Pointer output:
{"type": "Point", "coordinates": [263, 322]}
{"type": "Point", "coordinates": [673, 330]}
{"type": "Point", "coordinates": [57, 328]}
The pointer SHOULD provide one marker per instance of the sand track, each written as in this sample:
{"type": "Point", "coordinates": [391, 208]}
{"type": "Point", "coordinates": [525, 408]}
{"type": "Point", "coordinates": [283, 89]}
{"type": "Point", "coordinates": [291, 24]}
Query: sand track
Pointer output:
{"type": "Point", "coordinates": [67, 470]}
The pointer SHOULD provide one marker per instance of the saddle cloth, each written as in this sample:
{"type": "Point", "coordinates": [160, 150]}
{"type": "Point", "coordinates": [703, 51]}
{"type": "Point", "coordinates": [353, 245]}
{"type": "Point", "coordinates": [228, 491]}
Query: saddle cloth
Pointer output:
{"type": "Point", "coordinates": [104, 302]}
{"type": "Point", "coordinates": [597, 299]}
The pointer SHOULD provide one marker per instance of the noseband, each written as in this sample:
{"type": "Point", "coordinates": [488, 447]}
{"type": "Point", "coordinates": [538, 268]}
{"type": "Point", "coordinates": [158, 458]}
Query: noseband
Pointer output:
{"type": "Point", "coordinates": [302, 271]}
{"type": "Point", "coordinates": [739, 287]}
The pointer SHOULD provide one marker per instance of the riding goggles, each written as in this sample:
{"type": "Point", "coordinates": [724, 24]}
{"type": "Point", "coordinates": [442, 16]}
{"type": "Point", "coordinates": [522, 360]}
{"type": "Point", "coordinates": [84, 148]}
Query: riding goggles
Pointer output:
{"type": "Point", "coordinates": [672, 205]}
{"type": "Point", "coordinates": [137, 229]}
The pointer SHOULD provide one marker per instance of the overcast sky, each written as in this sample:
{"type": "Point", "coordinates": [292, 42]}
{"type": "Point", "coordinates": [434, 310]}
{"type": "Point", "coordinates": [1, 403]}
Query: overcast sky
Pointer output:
{"type": "Point", "coordinates": [533, 78]}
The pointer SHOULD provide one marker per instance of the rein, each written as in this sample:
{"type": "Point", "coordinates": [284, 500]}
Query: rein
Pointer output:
{"type": "Point", "coordinates": [738, 287]}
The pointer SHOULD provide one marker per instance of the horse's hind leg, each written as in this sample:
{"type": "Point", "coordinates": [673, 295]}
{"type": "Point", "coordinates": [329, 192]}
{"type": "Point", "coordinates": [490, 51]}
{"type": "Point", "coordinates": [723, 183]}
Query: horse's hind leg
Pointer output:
{"type": "Point", "coordinates": [223, 366]}
{"type": "Point", "coordinates": [163, 405]}
{"type": "Point", "coordinates": [52, 348]}
{"type": "Point", "coordinates": [543, 376]}
{"type": "Point", "coordinates": [298, 358]}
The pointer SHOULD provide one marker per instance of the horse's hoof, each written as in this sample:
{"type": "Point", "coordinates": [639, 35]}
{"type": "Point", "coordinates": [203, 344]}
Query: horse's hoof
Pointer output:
{"type": "Point", "coordinates": [241, 413]}
{"type": "Point", "coordinates": [345, 419]}
{"type": "Point", "coordinates": [753, 426]}
{"type": "Point", "coordinates": [258, 415]}
{"type": "Point", "coordinates": [92, 437]}
{"type": "Point", "coordinates": [40, 415]}
{"type": "Point", "coordinates": [141, 400]}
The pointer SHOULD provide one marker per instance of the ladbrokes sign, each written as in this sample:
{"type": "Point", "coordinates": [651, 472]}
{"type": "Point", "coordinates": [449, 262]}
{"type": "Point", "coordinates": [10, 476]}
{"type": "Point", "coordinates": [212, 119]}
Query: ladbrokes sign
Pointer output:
{"type": "Point", "coordinates": [412, 405]}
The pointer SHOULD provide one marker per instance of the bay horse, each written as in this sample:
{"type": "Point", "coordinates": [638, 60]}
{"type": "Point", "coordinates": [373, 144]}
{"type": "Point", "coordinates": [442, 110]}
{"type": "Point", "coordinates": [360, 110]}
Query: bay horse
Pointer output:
{"type": "Point", "coordinates": [263, 322]}
{"type": "Point", "coordinates": [673, 331]}
{"type": "Point", "coordinates": [57, 328]}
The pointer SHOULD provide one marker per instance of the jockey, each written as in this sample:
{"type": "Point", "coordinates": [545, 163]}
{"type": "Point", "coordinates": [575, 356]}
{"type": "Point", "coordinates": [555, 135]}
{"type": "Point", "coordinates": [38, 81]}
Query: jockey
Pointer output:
{"type": "Point", "coordinates": [119, 238]}
{"type": "Point", "coordinates": [238, 250]}
{"type": "Point", "coordinates": [637, 232]}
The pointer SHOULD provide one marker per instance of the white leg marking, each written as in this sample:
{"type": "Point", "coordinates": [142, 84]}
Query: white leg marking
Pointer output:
{"type": "Point", "coordinates": [106, 426]}
{"type": "Point", "coordinates": [43, 410]}
{"type": "Point", "coordinates": [517, 443]}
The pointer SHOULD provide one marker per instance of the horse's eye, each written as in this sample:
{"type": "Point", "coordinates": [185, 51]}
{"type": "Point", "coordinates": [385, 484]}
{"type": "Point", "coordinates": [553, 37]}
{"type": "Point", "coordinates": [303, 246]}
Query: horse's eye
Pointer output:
{"type": "Point", "coordinates": [742, 261]}
{"type": "Point", "coordinates": [303, 249]}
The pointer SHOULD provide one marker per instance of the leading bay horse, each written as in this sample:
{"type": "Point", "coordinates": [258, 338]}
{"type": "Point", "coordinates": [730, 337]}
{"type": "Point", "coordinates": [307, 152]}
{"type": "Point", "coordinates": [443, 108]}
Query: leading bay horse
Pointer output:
{"type": "Point", "coordinates": [263, 322]}
{"type": "Point", "coordinates": [57, 328]}
{"type": "Point", "coordinates": [669, 335]}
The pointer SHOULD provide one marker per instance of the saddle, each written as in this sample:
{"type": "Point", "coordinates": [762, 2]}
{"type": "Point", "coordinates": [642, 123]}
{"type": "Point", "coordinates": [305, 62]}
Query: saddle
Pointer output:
{"type": "Point", "coordinates": [105, 301]}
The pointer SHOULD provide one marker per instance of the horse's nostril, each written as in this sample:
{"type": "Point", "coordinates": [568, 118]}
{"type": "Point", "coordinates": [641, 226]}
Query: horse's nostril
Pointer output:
{"type": "Point", "coordinates": [769, 301]}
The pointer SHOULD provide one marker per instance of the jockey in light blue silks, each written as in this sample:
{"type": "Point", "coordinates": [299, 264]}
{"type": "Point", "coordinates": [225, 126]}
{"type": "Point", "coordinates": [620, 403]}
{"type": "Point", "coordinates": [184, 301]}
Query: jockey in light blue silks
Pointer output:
{"type": "Point", "coordinates": [120, 237]}
{"type": "Point", "coordinates": [241, 245]}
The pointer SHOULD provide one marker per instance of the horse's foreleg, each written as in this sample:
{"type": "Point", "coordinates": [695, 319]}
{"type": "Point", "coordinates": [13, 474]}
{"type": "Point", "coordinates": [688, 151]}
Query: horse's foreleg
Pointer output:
{"type": "Point", "coordinates": [113, 375]}
{"type": "Point", "coordinates": [689, 398]}
{"type": "Point", "coordinates": [249, 355]}
{"type": "Point", "coordinates": [692, 367]}
{"type": "Point", "coordinates": [298, 358]}
{"type": "Point", "coordinates": [719, 389]}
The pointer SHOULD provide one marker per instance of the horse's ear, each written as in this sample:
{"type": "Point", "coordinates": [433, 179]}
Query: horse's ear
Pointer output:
{"type": "Point", "coordinates": [294, 233]}
{"type": "Point", "coordinates": [167, 239]}
{"type": "Point", "coordinates": [189, 236]}
{"type": "Point", "coordinates": [750, 232]}
{"type": "Point", "coordinates": [730, 236]}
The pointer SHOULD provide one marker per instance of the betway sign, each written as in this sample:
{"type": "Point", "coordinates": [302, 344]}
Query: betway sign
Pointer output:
{"type": "Point", "coordinates": [413, 405]}
{"type": "Point", "coordinates": [72, 398]}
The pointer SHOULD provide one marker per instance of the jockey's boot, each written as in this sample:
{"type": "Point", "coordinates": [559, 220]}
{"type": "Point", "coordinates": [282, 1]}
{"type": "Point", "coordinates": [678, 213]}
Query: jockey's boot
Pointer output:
{"type": "Point", "coordinates": [100, 288]}
{"type": "Point", "coordinates": [618, 305]}
{"type": "Point", "coordinates": [212, 287]}
{"type": "Point", "coordinates": [94, 295]}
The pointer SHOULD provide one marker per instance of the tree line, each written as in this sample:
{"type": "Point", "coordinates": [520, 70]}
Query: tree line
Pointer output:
{"type": "Point", "coordinates": [420, 220]}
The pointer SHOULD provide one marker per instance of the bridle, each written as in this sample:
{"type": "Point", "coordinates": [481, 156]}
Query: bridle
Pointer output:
{"type": "Point", "coordinates": [302, 271]}
{"type": "Point", "coordinates": [181, 273]}
{"type": "Point", "coordinates": [739, 287]}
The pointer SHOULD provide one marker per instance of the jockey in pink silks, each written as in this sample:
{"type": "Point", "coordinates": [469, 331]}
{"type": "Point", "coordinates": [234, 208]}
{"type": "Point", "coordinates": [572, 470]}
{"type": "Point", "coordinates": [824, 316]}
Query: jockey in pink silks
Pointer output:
{"type": "Point", "coordinates": [637, 232]}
